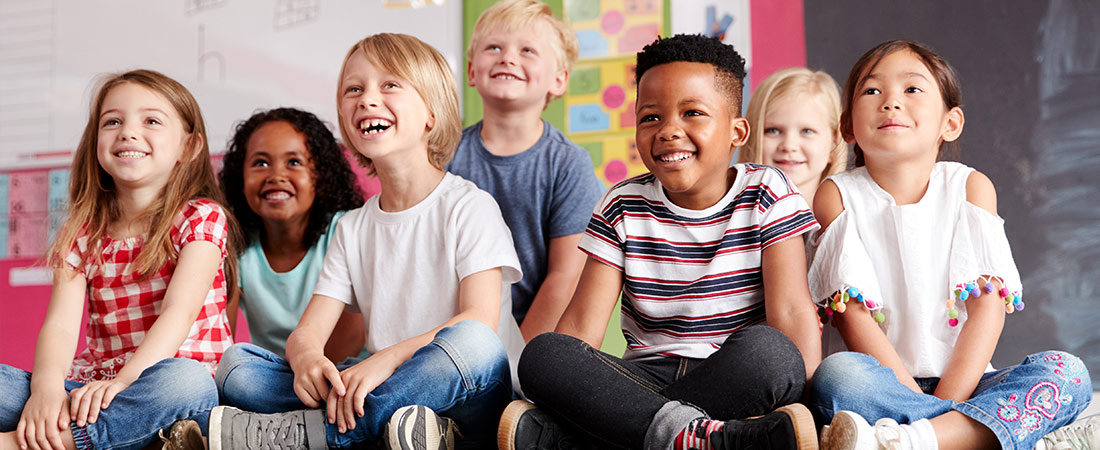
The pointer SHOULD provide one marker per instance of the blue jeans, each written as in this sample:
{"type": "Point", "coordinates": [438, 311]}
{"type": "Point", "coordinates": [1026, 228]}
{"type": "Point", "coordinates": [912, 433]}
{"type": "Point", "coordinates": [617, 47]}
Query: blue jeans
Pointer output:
{"type": "Point", "coordinates": [463, 375]}
{"type": "Point", "coordinates": [170, 390]}
{"type": "Point", "coordinates": [1019, 404]}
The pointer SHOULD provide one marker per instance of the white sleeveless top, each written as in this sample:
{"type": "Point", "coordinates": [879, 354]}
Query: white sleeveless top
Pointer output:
{"type": "Point", "coordinates": [911, 263]}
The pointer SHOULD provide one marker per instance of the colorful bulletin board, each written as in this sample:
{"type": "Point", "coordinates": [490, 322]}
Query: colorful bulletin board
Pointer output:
{"type": "Point", "coordinates": [599, 104]}
{"type": "Point", "coordinates": [597, 111]}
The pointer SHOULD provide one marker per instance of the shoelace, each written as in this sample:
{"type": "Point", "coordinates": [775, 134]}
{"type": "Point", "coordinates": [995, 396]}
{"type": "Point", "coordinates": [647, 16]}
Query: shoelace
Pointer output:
{"type": "Point", "coordinates": [889, 435]}
{"type": "Point", "coordinates": [1074, 437]}
{"type": "Point", "coordinates": [286, 432]}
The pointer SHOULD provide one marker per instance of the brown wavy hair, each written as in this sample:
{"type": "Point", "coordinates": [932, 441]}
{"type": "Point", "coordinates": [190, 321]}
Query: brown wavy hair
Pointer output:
{"type": "Point", "coordinates": [93, 202]}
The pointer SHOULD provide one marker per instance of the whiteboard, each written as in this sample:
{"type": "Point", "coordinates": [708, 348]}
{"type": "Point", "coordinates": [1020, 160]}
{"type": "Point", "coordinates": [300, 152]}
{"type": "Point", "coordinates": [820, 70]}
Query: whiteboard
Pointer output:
{"type": "Point", "coordinates": [235, 56]}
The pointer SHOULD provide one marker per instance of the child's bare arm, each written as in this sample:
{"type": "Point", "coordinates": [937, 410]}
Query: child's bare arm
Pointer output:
{"type": "Point", "coordinates": [787, 299]}
{"type": "Point", "coordinates": [313, 372]}
{"type": "Point", "coordinates": [46, 412]}
{"type": "Point", "coordinates": [196, 267]}
{"type": "Point", "coordinates": [985, 317]}
{"type": "Point", "coordinates": [858, 329]}
{"type": "Point", "coordinates": [479, 297]}
{"type": "Point", "coordinates": [232, 308]}
{"type": "Point", "coordinates": [563, 270]}
{"type": "Point", "coordinates": [587, 314]}
{"type": "Point", "coordinates": [347, 337]}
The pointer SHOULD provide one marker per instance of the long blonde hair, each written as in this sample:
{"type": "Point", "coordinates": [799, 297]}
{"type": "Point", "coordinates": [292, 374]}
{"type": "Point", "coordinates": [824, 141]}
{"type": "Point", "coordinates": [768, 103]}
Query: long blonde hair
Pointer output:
{"type": "Point", "coordinates": [422, 65]}
{"type": "Point", "coordinates": [793, 81]}
{"type": "Point", "coordinates": [93, 204]}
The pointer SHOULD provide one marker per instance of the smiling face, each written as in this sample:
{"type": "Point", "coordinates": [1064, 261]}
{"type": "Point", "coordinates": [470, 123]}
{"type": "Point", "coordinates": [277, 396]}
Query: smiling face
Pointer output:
{"type": "Point", "coordinates": [278, 174]}
{"type": "Point", "coordinates": [898, 111]}
{"type": "Point", "coordinates": [383, 115]}
{"type": "Point", "coordinates": [141, 137]}
{"type": "Point", "coordinates": [518, 68]}
{"type": "Point", "coordinates": [797, 138]}
{"type": "Point", "coordinates": [686, 133]}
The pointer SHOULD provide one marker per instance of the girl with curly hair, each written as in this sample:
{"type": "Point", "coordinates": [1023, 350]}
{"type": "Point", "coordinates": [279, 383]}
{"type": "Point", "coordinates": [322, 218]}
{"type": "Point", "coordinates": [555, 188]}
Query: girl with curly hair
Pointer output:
{"type": "Point", "coordinates": [288, 183]}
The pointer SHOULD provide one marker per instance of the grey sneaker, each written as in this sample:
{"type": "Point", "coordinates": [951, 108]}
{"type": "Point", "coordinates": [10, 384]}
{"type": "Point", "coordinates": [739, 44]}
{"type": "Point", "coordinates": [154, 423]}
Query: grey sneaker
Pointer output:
{"type": "Point", "coordinates": [183, 435]}
{"type": "Point", "coordinates": [232, 429]}
{"type": "Point", "coordinates": [417, 427]}
{"type": "Point", "coordinates": [1083, 434]}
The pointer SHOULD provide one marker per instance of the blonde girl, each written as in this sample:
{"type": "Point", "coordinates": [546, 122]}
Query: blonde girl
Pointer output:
{"type": "Point", "coordinates": [915, 268]}
{"type": "Point", "coordinates": [794, 115]}
{"type": "Point", "coordinates": [148, 243]}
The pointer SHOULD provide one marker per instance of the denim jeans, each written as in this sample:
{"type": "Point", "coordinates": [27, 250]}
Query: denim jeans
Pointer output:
{"type": "Point", "coordinates": [170, 390]}
{"type": "Point", "coordinates": [617, 402]}
{"type": "Point", "coordinates": [463, 375]}
{"type": "Point", "coordinates": [1020, 403]}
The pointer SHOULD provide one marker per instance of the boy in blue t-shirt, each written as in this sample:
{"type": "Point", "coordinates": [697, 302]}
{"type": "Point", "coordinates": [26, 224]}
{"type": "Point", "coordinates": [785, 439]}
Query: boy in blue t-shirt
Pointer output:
{"type": "Point", "coordinates": [721, 333]}
{"type": "Point", "coordinates": [520, 58]}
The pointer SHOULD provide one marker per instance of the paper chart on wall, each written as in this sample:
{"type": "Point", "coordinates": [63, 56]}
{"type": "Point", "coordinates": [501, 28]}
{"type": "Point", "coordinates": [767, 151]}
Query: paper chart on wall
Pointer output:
{"type": "Point", "coordinates": [599, 103]}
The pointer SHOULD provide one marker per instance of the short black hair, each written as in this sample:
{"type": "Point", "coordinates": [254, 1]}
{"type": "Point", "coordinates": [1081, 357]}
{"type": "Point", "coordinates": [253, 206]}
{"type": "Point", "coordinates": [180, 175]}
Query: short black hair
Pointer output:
{"type": "Point", "coordinates": [335, 185]}
{"type": "Point", "coordinates": [729, 66]}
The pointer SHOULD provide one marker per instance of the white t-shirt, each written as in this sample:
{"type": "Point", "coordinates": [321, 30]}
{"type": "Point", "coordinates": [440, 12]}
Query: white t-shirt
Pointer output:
{"type": "Point", "coordinates": [908, 260]}
{"type": "Point", "coordinates": [402, 270]}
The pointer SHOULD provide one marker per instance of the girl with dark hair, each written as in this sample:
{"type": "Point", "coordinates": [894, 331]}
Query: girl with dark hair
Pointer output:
{"type": "Point", "coordinates": [288, 183]}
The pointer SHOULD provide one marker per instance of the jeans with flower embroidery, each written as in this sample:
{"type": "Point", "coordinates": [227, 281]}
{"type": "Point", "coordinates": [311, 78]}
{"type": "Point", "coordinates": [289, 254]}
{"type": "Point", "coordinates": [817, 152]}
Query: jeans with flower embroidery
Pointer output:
{"type": "Point", "coordinates": [1019, 404]}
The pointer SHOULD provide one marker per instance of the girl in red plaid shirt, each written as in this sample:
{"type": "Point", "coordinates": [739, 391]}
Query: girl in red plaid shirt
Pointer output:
{"type": "Point", "coordinates": [148, 244]}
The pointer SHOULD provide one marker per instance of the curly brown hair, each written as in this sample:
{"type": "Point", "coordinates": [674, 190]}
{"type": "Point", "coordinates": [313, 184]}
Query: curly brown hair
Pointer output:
{"type": "Point", "coordinates": [333, 180]}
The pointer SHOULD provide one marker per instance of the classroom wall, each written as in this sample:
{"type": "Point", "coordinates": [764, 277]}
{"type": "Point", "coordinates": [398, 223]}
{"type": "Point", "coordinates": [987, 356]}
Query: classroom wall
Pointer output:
{"type": "Point", "coordinates": [1030, 76]}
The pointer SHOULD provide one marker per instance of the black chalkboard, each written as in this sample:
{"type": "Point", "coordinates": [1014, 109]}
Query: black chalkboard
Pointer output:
{"type": "Point", "coordinates": [1030, 75]}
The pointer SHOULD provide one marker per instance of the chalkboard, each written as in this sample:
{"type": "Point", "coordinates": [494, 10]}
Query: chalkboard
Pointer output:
{"type": "Point", "coordinates": [1031, 94]}
{"type": "Point", "coordinates": [235, 56]}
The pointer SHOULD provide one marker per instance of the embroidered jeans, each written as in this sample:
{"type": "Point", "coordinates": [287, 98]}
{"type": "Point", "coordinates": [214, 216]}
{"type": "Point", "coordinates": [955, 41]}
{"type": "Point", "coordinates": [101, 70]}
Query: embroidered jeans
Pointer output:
{"type": "Point", "coordinates": [170, 390]}
{"type": "Point", "coordinates": [1020, 403]}
{"type": "Point", "coordinates": [463, 375]}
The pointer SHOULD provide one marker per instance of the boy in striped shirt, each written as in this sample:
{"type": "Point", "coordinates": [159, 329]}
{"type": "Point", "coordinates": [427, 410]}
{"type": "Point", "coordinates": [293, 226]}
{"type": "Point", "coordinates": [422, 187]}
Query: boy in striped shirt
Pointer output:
{"type": "Point", "coordinates": [710, 263]}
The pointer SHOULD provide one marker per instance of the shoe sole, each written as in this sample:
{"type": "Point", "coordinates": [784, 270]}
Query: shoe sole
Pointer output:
{"type": "Point", "coordinates": [844, 433]}
{"type": "Point", "coordinates": [805, 432]}
{"type": "Point", "coordinates": [214, 435]}
{"type": "Point", "coordinates": [415, 436]}
{"type": "Point", "coordinates": [506, 432]}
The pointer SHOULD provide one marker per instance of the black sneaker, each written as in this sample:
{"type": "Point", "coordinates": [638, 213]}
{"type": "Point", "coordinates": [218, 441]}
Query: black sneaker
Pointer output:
{"type": "Point", "coordinates": [789, 427]}
{"type": "Point", "coordinates": [525, 427]}
{"type": "Point", "coordinates": [231, 428]}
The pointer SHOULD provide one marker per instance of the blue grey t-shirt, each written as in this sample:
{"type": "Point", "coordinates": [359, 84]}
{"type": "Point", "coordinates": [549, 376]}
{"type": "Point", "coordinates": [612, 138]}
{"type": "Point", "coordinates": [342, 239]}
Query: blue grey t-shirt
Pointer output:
{"type": "Point", "coordinates": [544, 192]}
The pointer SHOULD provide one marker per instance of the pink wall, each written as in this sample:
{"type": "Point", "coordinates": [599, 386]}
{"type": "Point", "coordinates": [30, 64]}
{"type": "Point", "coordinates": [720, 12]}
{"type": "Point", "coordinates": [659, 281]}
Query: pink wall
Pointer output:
{"type": "Point", "coordinates": [778, 37]}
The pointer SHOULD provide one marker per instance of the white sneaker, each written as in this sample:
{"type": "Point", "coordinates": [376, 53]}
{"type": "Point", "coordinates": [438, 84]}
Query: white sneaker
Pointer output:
{"type": "Point", "coordinates": [891, 436]}
{"type": "Point", "coordinates": [1083, 434]}
{"type": "Point", "coordinates": [849, 431]}
{"type": "Point", "coordinates": [417, 427]}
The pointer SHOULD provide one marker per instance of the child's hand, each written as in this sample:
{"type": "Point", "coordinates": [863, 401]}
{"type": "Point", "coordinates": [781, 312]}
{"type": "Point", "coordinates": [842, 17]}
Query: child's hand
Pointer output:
{"type": "Point", "coordinates": [360, 379]}
{"type": "Point", "coordinates": [92, 397]}
{"type": "Point", "coordinates": [44, 416]}
{"type": "Point", "coordinates": [311, 382]}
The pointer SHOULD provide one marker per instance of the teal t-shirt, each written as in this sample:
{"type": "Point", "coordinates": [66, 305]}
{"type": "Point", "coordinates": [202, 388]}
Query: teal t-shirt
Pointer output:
{"type": "Point", "coordinates": [274, 302]}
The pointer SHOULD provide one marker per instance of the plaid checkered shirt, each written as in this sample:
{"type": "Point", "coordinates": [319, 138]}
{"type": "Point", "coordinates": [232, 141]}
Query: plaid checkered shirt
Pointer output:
{"type": "Point", "coordinates": [122, 306]}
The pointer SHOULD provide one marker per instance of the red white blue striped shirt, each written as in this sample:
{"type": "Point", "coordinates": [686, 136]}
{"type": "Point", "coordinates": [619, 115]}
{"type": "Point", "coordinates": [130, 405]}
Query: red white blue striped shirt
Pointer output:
{"type": "Point", "coordinates": [691, 277]}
